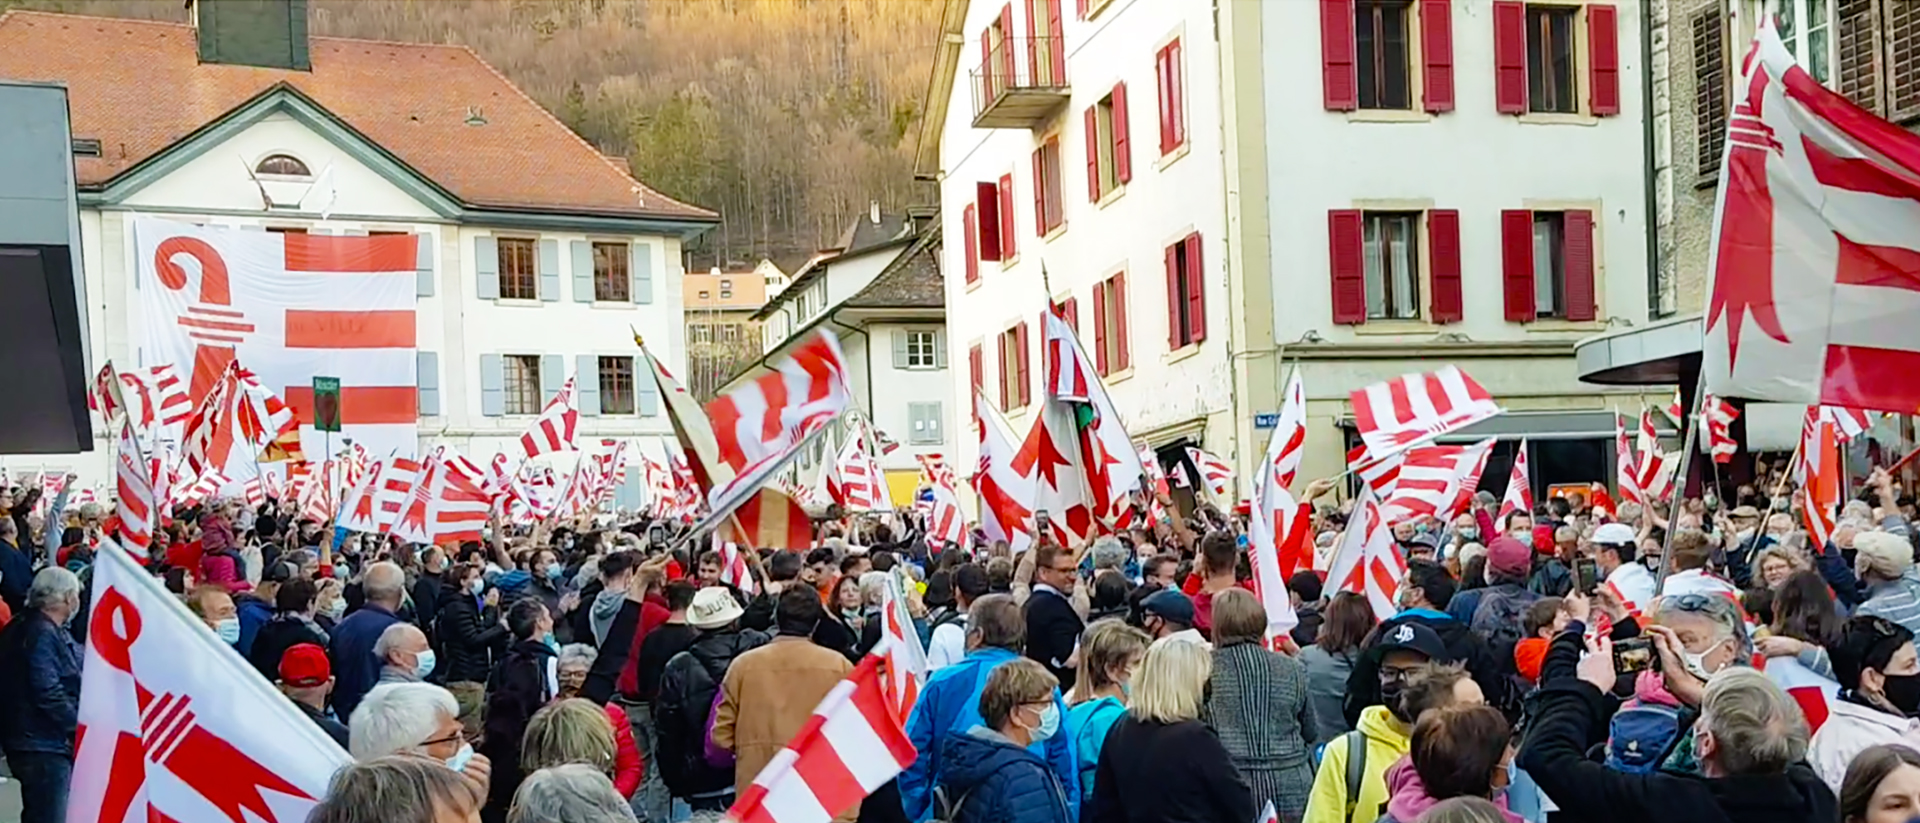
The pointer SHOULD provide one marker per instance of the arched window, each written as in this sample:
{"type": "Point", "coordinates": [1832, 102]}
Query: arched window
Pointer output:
{"type": "Point", "coordinates": [282, 165]}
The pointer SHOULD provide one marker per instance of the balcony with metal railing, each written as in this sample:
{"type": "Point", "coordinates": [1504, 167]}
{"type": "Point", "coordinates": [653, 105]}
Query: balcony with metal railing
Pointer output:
{"type": "Point", "coordinates": [1021, 83]}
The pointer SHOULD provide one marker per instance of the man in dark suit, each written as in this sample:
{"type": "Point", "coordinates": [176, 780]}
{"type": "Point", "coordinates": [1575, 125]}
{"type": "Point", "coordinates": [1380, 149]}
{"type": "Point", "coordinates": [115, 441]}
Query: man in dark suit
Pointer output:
{"type": "Point", "coordinates": [1053, 627]}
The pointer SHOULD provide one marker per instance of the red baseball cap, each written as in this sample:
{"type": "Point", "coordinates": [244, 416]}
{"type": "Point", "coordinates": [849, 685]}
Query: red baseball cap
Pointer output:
{"type": "Point", "coordinates": [305, 666]}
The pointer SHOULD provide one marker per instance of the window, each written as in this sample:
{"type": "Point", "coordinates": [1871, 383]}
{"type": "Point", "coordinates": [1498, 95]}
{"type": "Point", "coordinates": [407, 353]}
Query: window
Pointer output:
{"type": "Point", "coordinates": [1186, 300]}
{"type": "Point", "coordinates": [976, 368]}
{"type": "Point", "coordinates": [616, 385]}
{"type": "Point", "coordinates": [1046, 59]}
{"type": "Point", "coordinates": [1806, 29]}
{"type": "Point", "coordinates": [1048, 210]}
{"type": "Point", "coordinates": [923, 422]}
{"type": "Point", "coordinates": [704, 294]}
{"type": "Point", "coordinates": [1172, 79]}
{"type": "Point", "coordinates": [1550, 53]}
{"type": "Point", "coordinates": [1109, 160]}
{"type": "Point", "coordinates": [1549, 269]}
{"type": "Point", "coordinates": [725, 283]}
{"type": "Point", "coordinates": [1549, 264]}
{"type": "Point", "coordinates": [1709, 91]}
{"type": "Point", "coordinates": [920, 349]}
{"type": "Point", "coordinates": [283, 166]}
{"type": "Point", "coordinates": [1014, 392]}
{"type": "Point", "coordinates": [519, 273]}
{"type": "Point", "coordinates": [1392, 255]}
{"type": "Point", "coordinates": [286, 230]}
{"type": "Point", "coordinates": [611, 281]}
{"type": "Point", "coordinates": [730, 333]}
{"type": "Point", "coordinates": [726, 294]}
{"type": "Point", "coordinates": [521, 383]}
{"type": "Point", "coordinates": [996, 55]}
{"type": "Point", "coordinates": [1381, 53]}
{"type": "Point", "coordinates": [700, 333]}
{"type": "Point", "coordinates": [1110, 325]}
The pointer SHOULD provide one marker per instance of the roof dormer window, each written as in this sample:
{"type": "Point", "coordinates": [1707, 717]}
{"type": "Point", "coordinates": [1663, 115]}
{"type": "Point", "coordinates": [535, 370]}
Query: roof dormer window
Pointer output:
{"type": "Point", "coordinates": [282, 165]}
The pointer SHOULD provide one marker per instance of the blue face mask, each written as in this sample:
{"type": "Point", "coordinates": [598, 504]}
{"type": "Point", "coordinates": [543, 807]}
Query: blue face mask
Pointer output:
{"type": "Point", "coordinates": [1049, 723]}
{"type": "Point", "coordinates": [551, 643]}
{"type": "Point", "coordinates": [555, 572]}
{"type": "Point", "coordinates": [458, 762]}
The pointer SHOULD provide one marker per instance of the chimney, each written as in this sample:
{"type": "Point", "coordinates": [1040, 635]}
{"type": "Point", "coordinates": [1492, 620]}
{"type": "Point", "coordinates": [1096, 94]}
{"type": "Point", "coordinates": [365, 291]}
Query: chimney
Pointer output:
{"type": "Point", "coordinates": [266, 33]}
{"type": "Point", "coordinates": [873, 211]}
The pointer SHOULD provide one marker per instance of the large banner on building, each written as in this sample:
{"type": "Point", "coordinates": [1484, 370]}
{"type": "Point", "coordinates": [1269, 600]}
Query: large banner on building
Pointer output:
{"type": "Point", "coordinates": [291, 307]}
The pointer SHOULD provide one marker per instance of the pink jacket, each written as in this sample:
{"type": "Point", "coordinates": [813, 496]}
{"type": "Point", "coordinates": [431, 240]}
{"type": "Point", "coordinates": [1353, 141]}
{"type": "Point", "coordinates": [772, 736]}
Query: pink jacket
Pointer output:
{"type": "Point", "coordinates": [1408, 796]}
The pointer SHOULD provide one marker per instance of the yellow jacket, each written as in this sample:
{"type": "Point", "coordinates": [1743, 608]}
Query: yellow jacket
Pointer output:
{"type": "Point", "coordinates": [1386, 743]}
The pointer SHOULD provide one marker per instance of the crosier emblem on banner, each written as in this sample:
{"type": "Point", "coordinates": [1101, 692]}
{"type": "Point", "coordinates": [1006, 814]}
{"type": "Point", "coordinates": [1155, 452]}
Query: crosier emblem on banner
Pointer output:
{"type": "Point", "coordinates": [291, 308]}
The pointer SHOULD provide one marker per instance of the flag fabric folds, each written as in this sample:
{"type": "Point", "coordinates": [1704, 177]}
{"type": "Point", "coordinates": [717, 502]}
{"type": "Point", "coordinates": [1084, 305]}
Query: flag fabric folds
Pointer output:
{"type": "Point", "coordinates": [558, 426]}
{"type": "Point", "coordinates": [133, 491]}
{"type": "Point", "coordinates": [851, 746]}
{"type": "Point", "coordinates": [1519, 495]}
{"type": "Point", "coordinates": [1407, 410]}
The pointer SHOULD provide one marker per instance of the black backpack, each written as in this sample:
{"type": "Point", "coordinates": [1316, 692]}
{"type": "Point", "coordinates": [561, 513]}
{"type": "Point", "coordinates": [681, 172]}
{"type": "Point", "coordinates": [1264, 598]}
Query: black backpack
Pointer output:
{"type": "Point", "coordinates": [1502, 613]}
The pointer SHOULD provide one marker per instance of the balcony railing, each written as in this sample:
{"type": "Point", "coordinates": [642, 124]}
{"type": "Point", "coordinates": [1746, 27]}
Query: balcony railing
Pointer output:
{"type": "Point", "coordinates": [1021, 83]}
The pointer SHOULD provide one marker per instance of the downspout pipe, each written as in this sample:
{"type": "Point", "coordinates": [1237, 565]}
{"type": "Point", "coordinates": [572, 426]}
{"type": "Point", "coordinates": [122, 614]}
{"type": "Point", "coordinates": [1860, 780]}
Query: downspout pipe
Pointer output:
{"type": "Point", "coordinates": [1650, 175]}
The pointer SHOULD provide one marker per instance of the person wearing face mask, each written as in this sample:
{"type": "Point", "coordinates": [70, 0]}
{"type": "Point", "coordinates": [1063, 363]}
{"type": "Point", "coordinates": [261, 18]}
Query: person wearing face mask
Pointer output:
{"type": "Point", "coordinates": [404, 654]}
{"type": "Point", "coordinates": [306, 678]}
{"type": "Point", "coordinates": [1168, 615]}
{"type": "Point", "coordinates": [1110, 652]}
{"type": "Point", "coordinates": [1613, 556]}
{"type": "Point", "coordinates": [1879, 676]}
{"type": "Point", "coordinates": [470, 633]}
{"type": "Point", "coordinates": [420, 720]}
{"type": "Point", "coordinates": [40, 694]}
{"type": "Point", "coordinates": [1258, 704]}
{"type": "Point", "coordinates": [991, 774]}
{"type": "Point", "coordinates": [1459, 751]}
{"type": "Point", "coordinates": [329, 607]}
{"type": "Point", "coordinates": [1161, 762]}
{"type": "Point", "coordinates": [214, 606]}
{"type": "Point", "coordinates": [526, 679]}
{"type": "Point", "coordinates": [292, 625]}
{"type": "Point", "coordinates": [547, 583]}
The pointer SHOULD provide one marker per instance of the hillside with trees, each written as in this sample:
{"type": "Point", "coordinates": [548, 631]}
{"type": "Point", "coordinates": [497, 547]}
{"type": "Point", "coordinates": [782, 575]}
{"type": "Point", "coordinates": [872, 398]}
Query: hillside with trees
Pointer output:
{"type": "Point", "coordinates": [786, 116]}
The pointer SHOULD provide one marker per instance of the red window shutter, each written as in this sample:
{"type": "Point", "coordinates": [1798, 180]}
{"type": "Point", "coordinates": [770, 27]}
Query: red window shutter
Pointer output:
{"type": "Point", "coordinates": [1118, 289]}
{"type": "Point", "coordinates": [1033, 57]}
{"type": "Point", "coordinates": [1020, 341]}
{"type": "Point", "coordinates": [987, 197]}
{"type": "Point", "coordinates": [1100, 328]}
{"type": "Point", "coordinates": [976, 367]}
{"type": "Point", "coordinates": [987, 86]}
{"type": "Point", "coordinates": [1093, 153]}
{"type": "Point", "coordinates": [1346, 254]}
{"type": "Point", "coordinates": [1080, 9]}
{"type": "Point", "coordinates": [1122, 151]}
{"type": "Point", "coordinates": [1577, 255]}
{"type": "Point", "coordinates": [968, 227]}
{"type": "Point", "coordinates": [1174, 296]}
{"type": "Point", "coordinates": [1603, 59]}
{"type": "Point", "coordinates": [1177, 80]}
{"type": "Point", "coordinates": [1056, 45]}
{"type": "Point", "coordinates": [1436, 54]}
{"type": "Point", "coordinates": [1006, 341]}
{"type": "Point", "coordinates": [1510, 56]}
{"type": "Point", "coordinates": [1196, 294]}
{"type": "Point", "coordinates": [1163, 77]}
{"type": "Point", "coordinates": [1070, 313]}
{"type": "Point", "coordinates": [1039, 192]}
{"type": "Point", "coordinates": [1443, 260]}
{"type": "Point", "coordinates": [1009, 246]}
{"type": "Point", "coordinates": [1516, 264]}
{"type": "Point", "coordinates": [1340, 83]}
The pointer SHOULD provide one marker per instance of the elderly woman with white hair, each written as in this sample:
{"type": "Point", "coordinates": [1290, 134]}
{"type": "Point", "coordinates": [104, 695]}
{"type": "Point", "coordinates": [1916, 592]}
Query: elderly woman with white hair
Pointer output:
{"type": "Point", "coordinates": [573, 793]}
{"type": "Point", "coordinates": [398, 789]}
{"type": "Point", "coordinates": [1884, 563]}
{"type": "Point", "coordinates": [415, 718]}
{"type": "Point", "coordinates": [40, 694]}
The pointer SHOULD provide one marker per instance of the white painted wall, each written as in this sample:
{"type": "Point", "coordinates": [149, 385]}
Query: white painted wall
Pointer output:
{"type": "Point", "coordinates": [1166, 199]}
{"type": "Point", "coordinates": [215, 189]}
{"type": "Point", "coordinates": [890, 390]}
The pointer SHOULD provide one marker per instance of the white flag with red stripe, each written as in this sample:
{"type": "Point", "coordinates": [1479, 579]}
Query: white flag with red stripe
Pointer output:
{"type": "Point", "coordinates": [1816, 264]}
{"type": "Point", "coordinates": [853, 745]}
{"type": "Point", "coordinates": [1006, 496]}
{"type": "Point", "coordinates": [1519, 495]}
{"type": "Point", "coordinates": [1626, 479]}
{"type": "Point", "coordinates": [1366, 560]}
{"type": "Point", "coordinates": [1716, 426]}
{"type": "Point", "coordinates": [175, 725]}
{"type": "Point", "coordinates": [1273, 547]}
{"type": "Point", "coordinates": [133, 490]}
{"type": "Point", "coordinates": [1408, 410]}
{"type": "Point", "coordinates": [1103, 459]}
{"type": "Point", "coordinates": [447, 504]}
{"type": "Point", "coordinates": [1291, 431]}
{"type": "Point", "coordinates": [863, 485]}
{"type": "Point", "coordinates": [902, 654]}
{"type": "Point", "coordinates": [1814, 693]}
{"type": "Point", "coordinates": [1435, 481]}
{"type": "Point", "coordinates": [945, 523]}
{"type": "Point", "coordinates": [1819, 476]}
{"type": "Point", "coordinates": [1847, 423]}
{"type": "Point", "coordinates": [759, 427]}
{"type": "Point", "coordinates": [1654, 475]}
{"type": "Point", "coordinates": [1217, 473]}
{"type": "Point", "coordinates": [558, 426]}
{"type": "Point", "coordinates": [734, 569]}
{"type": "Point", "coordinates": [202, 488]}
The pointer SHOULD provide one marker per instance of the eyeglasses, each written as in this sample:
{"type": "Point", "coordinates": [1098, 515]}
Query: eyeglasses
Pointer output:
{"type": "Point", "coordinates": [459, 736]}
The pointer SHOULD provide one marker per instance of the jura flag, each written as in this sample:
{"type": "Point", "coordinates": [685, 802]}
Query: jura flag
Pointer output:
{"type": "Point", "coordinates": [176, 726]}
{"type": "Point", "coordinates": [1816, 261]}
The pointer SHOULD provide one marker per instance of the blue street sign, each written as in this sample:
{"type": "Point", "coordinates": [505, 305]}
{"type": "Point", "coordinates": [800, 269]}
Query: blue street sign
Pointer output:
{"type": "Point", "coordinates": [1266, 421]}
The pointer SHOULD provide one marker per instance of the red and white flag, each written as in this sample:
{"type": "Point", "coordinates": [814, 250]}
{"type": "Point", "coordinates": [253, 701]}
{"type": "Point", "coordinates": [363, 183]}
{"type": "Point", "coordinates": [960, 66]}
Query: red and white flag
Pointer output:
{"type": "Point", "coordinates": [901, 652]}
{"type": "Point", "coordinates": [558, 425]}
{"type": "Point", "coordinates": [1414, 408]}
{"type": "Point", "coordinates": [1268, 815]}
{"type": "Point", "coordinates": [1814, 693]}
{"type": "Point", "coordinates": [1291, 431]}
{"type": "Point", "coordinates": [448, 503]}
{"type": "Point", "coordinates": [1217, 473]}
{"type": "Point", "coordinates": [1847, 423]}
{"type": "Point", "coordinates": [945, 523]}
{"type": "Point", "coordinates": [1366, 560]}
{"type": "Point", "coordinates": [1004, 494]}
{"type": "Point", "coordinates": [734, 569]}
{"type": "Point", "coordinates": [1277, 539]}
{"type": "Point", "coordinates": [1654, 475]}
{"type": "Point", "coordinates": [1519, 495]}
{"type": "Point", "coordinates": [177, 726]}
{"type": "Point", "coordinates": [852, 745]}
{"type": "Point", "coordinates": [1816, 264]}
{"type": "Point", "coordinates": [1626, 479]}
{"type": "Point", "coordinates": [862, 484]}
{"type": "Point", "coordinates": [202, 488]}
{"type": "Point", "coordinates": [292, 306]}
{"type": "Point", "coordinates": [1104, 457]}
{"type": "Point", "coordinates": [1435, 481]}
{"type": "Point", "coordinates": [254, 491]}
{"type": "Point", "coordinates": [1716, 426]}
{"type": "Point", "coordinates": [356, 506]}
{"type": "Point", "coordinates": [1819, 476]}
{"type": "Point", "coordinates": [133, 490]}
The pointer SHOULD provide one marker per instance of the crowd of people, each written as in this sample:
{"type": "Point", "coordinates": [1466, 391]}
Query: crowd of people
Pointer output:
{"type": "Point", "coordinates": [1564, 664]}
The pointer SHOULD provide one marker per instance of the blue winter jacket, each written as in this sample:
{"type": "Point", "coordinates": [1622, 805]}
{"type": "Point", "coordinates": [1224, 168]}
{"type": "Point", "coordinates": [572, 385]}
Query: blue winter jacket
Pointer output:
{"type": "Point", "coordinates": [986, 778]}
{"type": "Point", "coordinates": [948, 707]}
{"type": "Point", "coordinates": [1086, 726]}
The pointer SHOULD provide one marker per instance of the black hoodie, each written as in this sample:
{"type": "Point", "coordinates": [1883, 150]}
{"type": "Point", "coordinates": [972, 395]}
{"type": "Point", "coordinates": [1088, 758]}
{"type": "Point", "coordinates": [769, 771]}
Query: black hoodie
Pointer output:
{"type": "Point", "coordinates": [1463, 646]}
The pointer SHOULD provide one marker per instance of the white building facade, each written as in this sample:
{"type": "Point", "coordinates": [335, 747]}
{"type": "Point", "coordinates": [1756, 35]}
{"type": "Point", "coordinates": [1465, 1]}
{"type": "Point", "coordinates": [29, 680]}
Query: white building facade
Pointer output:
{"type": "Point", "coordinates": [1077, 153]}
{"type": "Point", "coordinates": [512, 299]}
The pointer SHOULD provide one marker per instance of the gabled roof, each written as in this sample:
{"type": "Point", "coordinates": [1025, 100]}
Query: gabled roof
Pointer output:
{"type": "Point", "coordinates": [911, 281]}
{"type": "Point", "coordinates": [139, 87]}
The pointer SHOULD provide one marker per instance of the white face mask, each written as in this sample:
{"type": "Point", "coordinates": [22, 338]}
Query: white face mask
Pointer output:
{"type": "Point", "coordinates": [337, 608]}
{"type": "Point", "coordinates": [458, 762]}
{"type": "Point", "coordinates": [478, 585]}
{"type": "Point", "coordinates": [1697, 662]}
{"type": "Point", "coordinates": [423, 664]}
{"type": "Point", "coordinates": [229, 630]}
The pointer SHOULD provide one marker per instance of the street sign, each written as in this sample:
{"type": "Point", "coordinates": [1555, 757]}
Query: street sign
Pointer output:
{"type": "Point", "coordinates": [1266, 421]}
{"type": "Point", "coordinates": [326, 404]}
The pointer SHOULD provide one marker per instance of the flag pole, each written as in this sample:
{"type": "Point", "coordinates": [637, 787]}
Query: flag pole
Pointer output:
{"type": "Point", "coordinates": [1690, 440]}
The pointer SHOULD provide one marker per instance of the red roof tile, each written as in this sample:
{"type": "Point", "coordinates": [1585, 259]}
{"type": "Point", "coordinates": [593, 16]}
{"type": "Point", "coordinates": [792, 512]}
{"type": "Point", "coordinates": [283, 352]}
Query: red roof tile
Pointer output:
{"type": "Point", "coordinates": [138, 87]}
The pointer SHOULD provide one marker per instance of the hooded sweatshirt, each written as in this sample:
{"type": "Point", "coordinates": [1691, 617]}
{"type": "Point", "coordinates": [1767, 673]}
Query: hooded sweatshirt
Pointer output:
{"type": "Point", "coordinates": [606, 604]}
{"type": "Point", "coordinates": [1410, 798]}
{"type": "Point", "coordinates": [1386, 743]}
